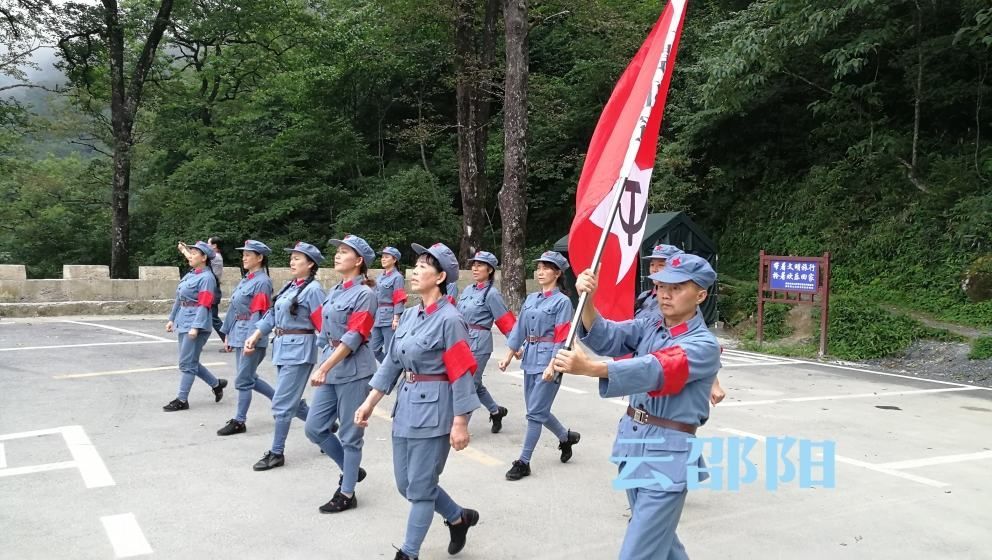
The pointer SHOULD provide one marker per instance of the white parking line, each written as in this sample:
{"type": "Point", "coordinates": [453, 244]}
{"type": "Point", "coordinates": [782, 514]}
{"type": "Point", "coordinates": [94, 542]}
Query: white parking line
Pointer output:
{"type": "Point", "coordinates": [946, 459]}
{"type": "Point", "coordinates": [125, 535]}
{"type": "Point", "coordinates": [125, 331]}
{"type": "Point", "coordinates": [132, 343]}
{"type": "Point", "coordinates": [46, 467]}
{"type": "Point", "coordinates": [3, 458]}
{"type": "Point", "coordinates": [84, 455]}
{"type": "Point", "coordinates": [877, 394]}
{"type": "Point", "coordinates": [854, 462]}
{"type": "Point", "coordinates": [91, 466]}
{"type": "Point", "coordinates": [756, 356]}
{"type": "Point", "coordinates": [725, 364]}
{"type": "Point", "coordinates": [886, 374]}
{"type": "Point", "coordinates": [126, 371]}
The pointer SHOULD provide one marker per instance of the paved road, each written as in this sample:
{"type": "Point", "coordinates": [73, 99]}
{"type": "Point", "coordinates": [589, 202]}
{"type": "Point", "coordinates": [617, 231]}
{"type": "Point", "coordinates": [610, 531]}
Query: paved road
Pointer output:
{"type": "Point", "coordinates": [91, 468]}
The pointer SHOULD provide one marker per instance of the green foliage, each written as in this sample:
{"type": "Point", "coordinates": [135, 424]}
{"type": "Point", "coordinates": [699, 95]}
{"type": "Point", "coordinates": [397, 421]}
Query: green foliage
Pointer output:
{"type": "Point", "coordinates": [775, 325]}
{"type": "Point", "coordinates": [790, 126]}
{"type": "Point", "coordinates": [53, 211]}
{"type": "Point", "coordinates": [804, 350]}
{"type": "Point", "coordinates": [408, 207]}
{"type": "Point", "coordinates": [738, 300]}
{"type": "Point", "coordinates": [981, 348]}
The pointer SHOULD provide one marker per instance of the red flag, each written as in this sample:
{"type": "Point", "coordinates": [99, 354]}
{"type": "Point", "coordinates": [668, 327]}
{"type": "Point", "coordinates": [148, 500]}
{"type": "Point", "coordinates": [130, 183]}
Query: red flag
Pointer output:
{"type": "Point", "coordinates": [621, 156]}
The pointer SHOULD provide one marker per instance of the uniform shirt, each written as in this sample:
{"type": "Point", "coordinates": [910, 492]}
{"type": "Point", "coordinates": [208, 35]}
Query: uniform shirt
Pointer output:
{"type": "Point", "coordinates": [291, 349]}
{"type": "Point", "coordinates": [217, 265]}
{"type": "Point", "coordinates": [452, 289]}
{"type": "Point", "coordinates": [545, 316]}
{"type": "Point", "coordinates": [429, 340]}
{"type": "Point", "coordinates": [649, 306]}
{"type": "Point", "coordinates": [390, 297]}
{"type": "Point", "coordinates": [482, 308]}
{"type": "Point", "coordinates": [669, 376]}
{"type": "Point", "coordinates": [194, 298]}
{"type": "Point", "coordinates": [347, 316]}
{"type": "Point", "coordinates": [250, 300]}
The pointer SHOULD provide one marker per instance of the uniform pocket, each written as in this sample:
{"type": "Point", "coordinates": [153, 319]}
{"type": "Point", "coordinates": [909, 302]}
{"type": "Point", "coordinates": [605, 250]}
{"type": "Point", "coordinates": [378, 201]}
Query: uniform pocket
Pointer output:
{"type": "Point", "coordinates": [423, 399]}
{"type": "Point", "coordinates": [383, 314]}
{"type": "Point", "coordinates": [291, 347]}
{"type": "Point", "coordinates": [430, 342]}
{"type": "Point", "coordinates": [664, 467]}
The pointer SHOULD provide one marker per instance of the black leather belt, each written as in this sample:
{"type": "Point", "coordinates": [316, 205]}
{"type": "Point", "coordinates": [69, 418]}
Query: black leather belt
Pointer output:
{"type": "Point", "coordinates": [641, 416]}
{"type": "Point", "coordinates": [412, 377]}
{"type": "Point", "coordinates": [280, 332]}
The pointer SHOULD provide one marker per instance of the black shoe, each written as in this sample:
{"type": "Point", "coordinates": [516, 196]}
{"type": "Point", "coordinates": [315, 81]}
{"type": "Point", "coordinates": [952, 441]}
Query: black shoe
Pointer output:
{"type": "Point", "coordinates": [361, 476]}
{"type": "Point", "coordinates": [401, 556]}
{"type": "Point", "coordinates": [339, 503]}
{"type": "Point", "coordinates": [519, 470]}
{"type": "Point", "coordinates": [269, 461]}
{"type": "Point", "coordinates": [219, 390]}
{"type": "Point", "coordinates": [566, 446]}
{"type": "Point", "coordinates": [497, 419]}
{"type": "Point", "coordinates": [458, 532]}
{"type": "Point", "coordinates": [335, 426]}
{"type": "Point", "coordinates": [232, 427]}
{"type": "Point", "coordinates": [175, 405]}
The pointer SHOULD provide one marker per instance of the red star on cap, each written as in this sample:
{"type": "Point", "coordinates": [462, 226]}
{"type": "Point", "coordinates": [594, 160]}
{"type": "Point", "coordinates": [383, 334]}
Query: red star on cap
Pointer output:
{"type": "Point", "coordinates": [676, 261]}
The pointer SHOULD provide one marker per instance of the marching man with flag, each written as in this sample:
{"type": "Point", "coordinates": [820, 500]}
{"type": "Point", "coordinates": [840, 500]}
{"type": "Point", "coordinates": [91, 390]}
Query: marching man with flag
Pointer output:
{"type": "Point", "coordinates": [673, 360]}
{"type": "Point", "coordinates": [668, 379]}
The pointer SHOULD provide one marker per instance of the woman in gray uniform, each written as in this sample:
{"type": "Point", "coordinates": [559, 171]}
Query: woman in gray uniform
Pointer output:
{"type": "Point", "coordinates": [431, 359]}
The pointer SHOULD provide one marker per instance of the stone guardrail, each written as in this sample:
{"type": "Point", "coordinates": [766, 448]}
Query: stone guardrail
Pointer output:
{"type": "Point", "coordinates": [85, 289]}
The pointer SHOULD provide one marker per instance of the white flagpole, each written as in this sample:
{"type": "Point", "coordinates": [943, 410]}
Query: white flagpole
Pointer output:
{"type": "Point", "coordinates": [628, 162]}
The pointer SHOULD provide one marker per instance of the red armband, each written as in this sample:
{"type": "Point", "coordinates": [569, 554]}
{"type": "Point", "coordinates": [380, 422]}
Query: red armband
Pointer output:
{"type": "Point", "coordinates": [260, 303]}
{"type": "Point", "coordinates": [561, 332]}
{"type": "Point", "coordinates": [674, 371]}
{"type": "Point", "coordinates": [317, 317]}
{"type": "Point", "coordinates": [506, 322]}
{"type": "Point", "coordinates": [399, 296]}
{"type": "Point", "coordinates": [361, 322]}
{"type": "Point", "coordinates": [458, 360]}
{"type": "Point", "coordinates": [205, 299]}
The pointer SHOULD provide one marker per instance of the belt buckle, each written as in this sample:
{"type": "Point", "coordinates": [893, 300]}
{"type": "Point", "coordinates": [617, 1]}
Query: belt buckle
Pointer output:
{"type": "Point", "coordinates": [279, 332]}
{"type": "Point", "coordinates": [640, 416]}
{"type": "Point", "coordinates": [408, 376]}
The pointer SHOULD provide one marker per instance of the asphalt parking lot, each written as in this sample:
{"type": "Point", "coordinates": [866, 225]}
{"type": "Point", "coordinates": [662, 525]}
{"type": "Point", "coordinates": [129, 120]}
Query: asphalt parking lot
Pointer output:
{"type": "Point", "coordinates": [90, 467]}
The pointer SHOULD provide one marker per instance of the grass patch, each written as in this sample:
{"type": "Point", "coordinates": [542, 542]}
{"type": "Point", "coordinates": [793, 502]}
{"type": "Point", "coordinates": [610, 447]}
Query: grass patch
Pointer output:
{"type": "Point", "coordinates": [802, 350]}
{"type": "Point", "coordinates": [981, 348]}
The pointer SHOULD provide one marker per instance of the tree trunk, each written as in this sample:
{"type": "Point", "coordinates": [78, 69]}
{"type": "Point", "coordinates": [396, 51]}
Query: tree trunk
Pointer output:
{"type": "Point", "coordinates": [474, 58]}
{"type": "Point", "coordinates": [513, 195]}
{"type": "Point", "coordinates": [120, 186]}
{"type": "Point", "coordinates": [124, 102]}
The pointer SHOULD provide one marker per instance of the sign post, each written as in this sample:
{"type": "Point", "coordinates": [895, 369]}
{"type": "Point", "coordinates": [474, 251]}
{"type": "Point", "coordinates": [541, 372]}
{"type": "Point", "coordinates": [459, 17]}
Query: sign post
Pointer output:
{"type": "Point", "coordinates": [795, 281]}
